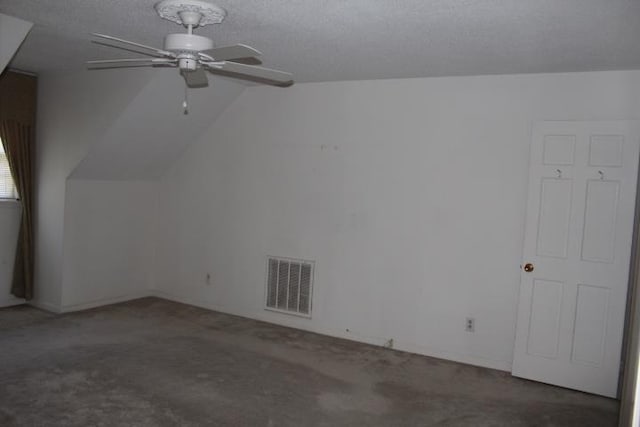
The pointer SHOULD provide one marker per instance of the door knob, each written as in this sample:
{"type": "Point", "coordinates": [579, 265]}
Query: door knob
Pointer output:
{"type": "Point", "coordinates": [528, 267]}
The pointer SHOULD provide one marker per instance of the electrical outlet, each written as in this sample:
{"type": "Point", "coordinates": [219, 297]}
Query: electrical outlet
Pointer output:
{"type": "Point", "coordinates": [470, 324]}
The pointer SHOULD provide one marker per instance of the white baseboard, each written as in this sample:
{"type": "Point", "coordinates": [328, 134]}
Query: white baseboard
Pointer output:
{"type": "Point", "coordinates": [501, 365]}
{"type": "Point", "coordinates": [46, 306]}
{"type": "Point", "coordinates": [206, 304]}
{"type": "Point", "coordinates": [378, 341]}
{"type": "Point", "coordinates": [105, 301]}
{"type": "Point", "coordinates": [11, 301]}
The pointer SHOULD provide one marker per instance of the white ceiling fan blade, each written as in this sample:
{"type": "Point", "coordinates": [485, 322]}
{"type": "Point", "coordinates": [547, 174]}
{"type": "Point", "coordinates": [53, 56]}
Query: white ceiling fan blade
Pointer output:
{"type": "Point", "coordinates": [252, 71]}
{"type": "Point", "coordinates": [130, 62]}
{"type": "Point", "coordinates": [148, 60]}
{"type": "Point", "coordinates": [247, 61]}
{"type": "Point", "coordinates": [231, 52]}
{"type": "Point", "coordinates": [142, 46]}
{"type": "Point", "coordinates": [196, 78]}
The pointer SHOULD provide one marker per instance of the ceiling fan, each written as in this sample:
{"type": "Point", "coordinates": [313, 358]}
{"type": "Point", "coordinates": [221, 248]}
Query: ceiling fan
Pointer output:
{"type": "Point", "coordinates": [191, 53]}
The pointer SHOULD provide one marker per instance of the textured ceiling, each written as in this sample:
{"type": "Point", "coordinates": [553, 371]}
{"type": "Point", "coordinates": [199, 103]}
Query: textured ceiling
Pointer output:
{"type": "Point", "coordinates": [323, 40]}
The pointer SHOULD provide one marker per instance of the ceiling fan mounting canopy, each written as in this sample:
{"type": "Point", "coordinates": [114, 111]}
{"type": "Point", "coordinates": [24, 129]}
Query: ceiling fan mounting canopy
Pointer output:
{"type": "Point", "coordinates": [196, 13]}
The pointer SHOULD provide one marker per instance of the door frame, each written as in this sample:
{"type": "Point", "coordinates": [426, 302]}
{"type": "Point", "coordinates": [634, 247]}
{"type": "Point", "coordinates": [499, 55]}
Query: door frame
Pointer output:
{"type": "Point", "coordinates": [630, 363]}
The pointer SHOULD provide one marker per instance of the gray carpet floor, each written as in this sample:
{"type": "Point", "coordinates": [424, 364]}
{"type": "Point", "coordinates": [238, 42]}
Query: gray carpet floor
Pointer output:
{"type": "Point", "coordinates": [152, 362]}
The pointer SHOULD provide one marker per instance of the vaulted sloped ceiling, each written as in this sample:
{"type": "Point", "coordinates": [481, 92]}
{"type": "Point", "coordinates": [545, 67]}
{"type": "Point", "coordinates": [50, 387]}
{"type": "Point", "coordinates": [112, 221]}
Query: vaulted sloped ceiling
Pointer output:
{"type": "Point", "coordinates": [152, 130]}
{"type": "Point", "coordinates": [12, 33]}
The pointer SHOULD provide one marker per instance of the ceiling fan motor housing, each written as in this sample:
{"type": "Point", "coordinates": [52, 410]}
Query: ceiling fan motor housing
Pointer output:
{"type": "Point", "coordinates": [181, 42]}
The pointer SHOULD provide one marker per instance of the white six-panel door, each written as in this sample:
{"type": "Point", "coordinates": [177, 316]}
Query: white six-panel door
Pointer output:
{"type": "Point", "coordinates": [580, 211]}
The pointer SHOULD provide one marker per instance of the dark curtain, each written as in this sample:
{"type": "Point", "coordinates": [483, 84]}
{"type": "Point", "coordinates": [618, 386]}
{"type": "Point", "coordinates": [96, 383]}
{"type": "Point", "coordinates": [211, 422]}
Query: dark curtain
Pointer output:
{"type": "Point", "coordinates": [18, 93]}
{"type": "Point", "coordinates": [17, 139]}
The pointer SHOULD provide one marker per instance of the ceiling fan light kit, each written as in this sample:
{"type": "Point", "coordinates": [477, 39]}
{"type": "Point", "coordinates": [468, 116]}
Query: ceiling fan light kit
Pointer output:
{"type": "Point", "coordinates": [191, 53]}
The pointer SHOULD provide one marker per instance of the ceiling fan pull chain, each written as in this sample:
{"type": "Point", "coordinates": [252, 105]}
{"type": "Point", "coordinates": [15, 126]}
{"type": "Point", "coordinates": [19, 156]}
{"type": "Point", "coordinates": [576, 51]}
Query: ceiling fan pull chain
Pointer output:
{"type": "Point", "coordinates": [185, 103]}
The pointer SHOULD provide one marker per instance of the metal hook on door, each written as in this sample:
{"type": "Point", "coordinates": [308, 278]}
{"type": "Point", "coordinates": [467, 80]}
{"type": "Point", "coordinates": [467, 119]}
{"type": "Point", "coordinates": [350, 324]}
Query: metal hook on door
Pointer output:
{"type": "Point", "coordinates": [559, 172]}
{"type": "Point", "coordinates": [601, 175]}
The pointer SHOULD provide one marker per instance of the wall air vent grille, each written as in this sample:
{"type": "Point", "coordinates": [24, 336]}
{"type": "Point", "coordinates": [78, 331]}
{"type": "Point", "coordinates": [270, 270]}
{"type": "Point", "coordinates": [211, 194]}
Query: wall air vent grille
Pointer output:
{"type": "Point", "coordinates": [289, 285]}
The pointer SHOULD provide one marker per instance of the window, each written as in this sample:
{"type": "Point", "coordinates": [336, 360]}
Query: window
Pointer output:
{"type": "Point", "coordinates": [7, 187]}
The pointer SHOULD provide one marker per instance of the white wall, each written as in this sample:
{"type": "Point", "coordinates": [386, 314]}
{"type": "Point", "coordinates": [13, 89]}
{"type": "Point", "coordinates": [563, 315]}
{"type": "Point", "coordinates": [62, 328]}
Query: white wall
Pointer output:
{"type": "Point", "coordinates": [152, 130]}
{"type": "Point", "coordinates": [74, 110]}
{"type": "Point", "coordinates": [9, 227]}
{"type": "Point", "coordinates": [408, 194]}
{"type": "Point", "coordinates": [109, 241]}
{"type": "Point", "coordinates": [103, 138]}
